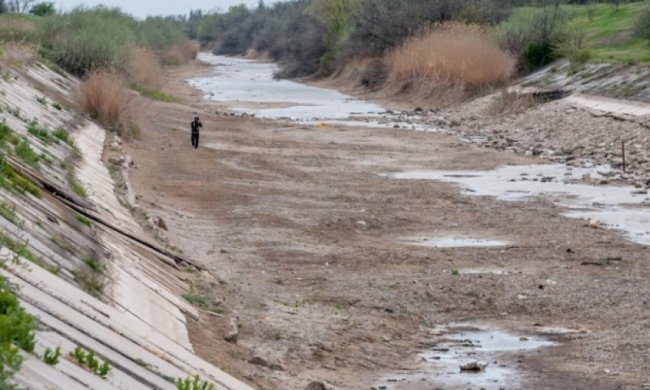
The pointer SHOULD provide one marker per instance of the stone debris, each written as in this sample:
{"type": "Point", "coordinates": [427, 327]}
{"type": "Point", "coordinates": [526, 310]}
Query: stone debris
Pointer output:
{"type": "Point", "coordinates": [473, 366]}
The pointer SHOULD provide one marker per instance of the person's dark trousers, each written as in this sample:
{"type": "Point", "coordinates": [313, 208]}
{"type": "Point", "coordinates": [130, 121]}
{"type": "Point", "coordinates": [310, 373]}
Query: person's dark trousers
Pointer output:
{"type": "Point", "coordinates": [195, 140]}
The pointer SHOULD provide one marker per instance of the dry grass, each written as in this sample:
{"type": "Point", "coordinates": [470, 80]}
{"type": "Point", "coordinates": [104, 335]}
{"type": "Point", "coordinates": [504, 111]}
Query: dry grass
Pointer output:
{"type": "Point", "coordinates": [144, 68]}
{"type": "Point", "coordinates": [448, 61]}
{"type": "Point", "coordinates": [509, 102]}
{"type": "Point", "coordinates": [180, 53]}
{"type": "Point", "coordinates": [105, 97]}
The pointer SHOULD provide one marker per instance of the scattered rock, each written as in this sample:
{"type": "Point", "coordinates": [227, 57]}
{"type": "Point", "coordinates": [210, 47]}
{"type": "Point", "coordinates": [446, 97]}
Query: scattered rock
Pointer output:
{"type": "Point", "coordinates": [473, 366]}
{"type": "Point", "coordinates": [315, 386]}
{"type": "Point", "coordinates": [233, 331]}
{"type": "Point", "coordinates": [594, 224]}
{"type": "Point", "coordinates": [159, 222]}
{"type": "Point", "coordinates": [258, 361]}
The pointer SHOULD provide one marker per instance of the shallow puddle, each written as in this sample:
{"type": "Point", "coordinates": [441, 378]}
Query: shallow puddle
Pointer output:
{"type": "Point", "coordinates": [249, 87]}
{"type": "Point", "coordinates": [440, 365]}
{"type": "Point", "coordinates": [456, 242]}
{"type": "Point", "coordinates": [617, 207]}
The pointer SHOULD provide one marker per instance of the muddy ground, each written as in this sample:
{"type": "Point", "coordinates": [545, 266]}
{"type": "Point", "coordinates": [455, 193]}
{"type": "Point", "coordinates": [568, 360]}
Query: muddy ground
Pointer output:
{"type": "Point", "coordinates": [302, 233]}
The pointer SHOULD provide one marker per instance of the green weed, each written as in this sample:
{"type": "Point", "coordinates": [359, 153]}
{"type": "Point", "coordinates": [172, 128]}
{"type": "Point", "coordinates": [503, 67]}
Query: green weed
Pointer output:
{"type": "Point", "coordinates": [9, 213]}
{"type": "Point", "coordinates": [39, 132]}
{"type": "Point", "coordinates": [154, 94]}
{"type": "Point", "coordinates": [63, 135]}
{"type": "Point", "coordinates": [84, 220]}
{"type": "Point", "coordinates": [52, 357]}
{"type": "Point", "coordinates": [193, 384]}
{"type": "Point", "coordinates": [25, 152]}
{"type": "Point", "coordinates": [94, 264]}
{"type": "Point", "coordinates": [11, 180]}
{"type": "Point", "coordinates": [17, 331]}
{"type": "Point", "coordinates": [87, 359]}
{"type": "Point", "coordinates": [196, 299]}
{"type": "Point", "coordinates": [91, 282]}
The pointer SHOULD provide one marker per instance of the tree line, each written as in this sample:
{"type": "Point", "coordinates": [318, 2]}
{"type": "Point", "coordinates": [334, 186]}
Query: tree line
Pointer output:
{"type": "Point", "coordinates": [317, 36]}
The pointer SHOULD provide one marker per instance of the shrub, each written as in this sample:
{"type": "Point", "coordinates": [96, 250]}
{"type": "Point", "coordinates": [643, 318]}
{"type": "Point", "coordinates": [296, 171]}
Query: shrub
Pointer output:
{"type": "Point", "coordinates": [642, 25]}
{"type": "Point", "coordinates": [572, 44]}
{"type": "Point", "coordinates": [88, 39]}
{"type": "Point", "coordinates": [450, 56]}
{"type": "Point", "coordinates": [16, 28]}
{"type": "Point", "coordinates": [43, 9]}
{"type": "Point", "coordinates": [538, 54]}
{"type": "Point", "coordinates": [179, 53]}
{"type": "Point", "coordinates": [105, 98]}
{"type": "Point", "coordinates": [144, 68]}
{"type": "Point", "coordinates": [532, 33]}
{"type": "Point", "coordinates": [158, 34]}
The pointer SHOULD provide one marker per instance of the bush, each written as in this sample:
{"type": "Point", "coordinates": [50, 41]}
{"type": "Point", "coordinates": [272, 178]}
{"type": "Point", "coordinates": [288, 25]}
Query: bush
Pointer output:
{"type": "Point", "coordinates": [106, 99]}
{"type": "Point", "coordinates": [532, 34]}
{"type": "Point", "coordinates": [43, 9]}
{"type": "Point", "coordinates": [539, 54]}
{"type": "Point", "coordinates": [642, 25]}
{"type": "Point", "coordinates": [179, 53]}
{"type": "Point", "coordinates": [450, 56]}
{"type": "Point", "coordinates": [144, 68]}
{"type": "Point", "coordinates": [85, 40]}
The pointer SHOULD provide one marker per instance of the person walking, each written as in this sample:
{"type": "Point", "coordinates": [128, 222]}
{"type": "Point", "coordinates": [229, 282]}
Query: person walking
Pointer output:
{"type": "Point", "coordinates": [196, 125]}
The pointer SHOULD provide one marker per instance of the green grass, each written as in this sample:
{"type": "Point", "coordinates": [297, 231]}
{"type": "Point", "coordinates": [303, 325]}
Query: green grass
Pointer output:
{"type": "Point", "coordinates": [39, 132]}
{"type": "Point", "coordinates": [154, 94]}
{"type": "Point", "coordinates": [610, 32]}
{"type": "Point", "coordinates": [63, 135]}
{"type": "Point", "coordinates": [196, 299]}
{"type": "Point", "coordinates": [95, 264]}
{"type": "Point", "coordinates": [9, 213]}
{"type": "Point", "coordinates": [5, 134]}
{"type": "Point", "coordinates": [21, 249]}
{"type": "Point", "coordinates": [27, 154]}
{"type": "Point", "coordinates": [17, 331]}
{"type": "Point", "coordinates": [84, 220]}
{"type": "Point", "coordinates": [13, 181]}
{"type": "Point", "coordinates": [90, 281]}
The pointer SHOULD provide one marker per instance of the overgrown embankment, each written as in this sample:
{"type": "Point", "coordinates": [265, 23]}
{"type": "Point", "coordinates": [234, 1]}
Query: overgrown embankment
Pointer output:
{"type": "Point", "coordinates": [383, 44]}
{"type": "Point", "coordinates": [111, 51]}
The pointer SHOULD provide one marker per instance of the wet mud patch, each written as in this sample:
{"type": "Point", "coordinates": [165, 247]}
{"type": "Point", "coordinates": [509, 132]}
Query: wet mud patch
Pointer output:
{"type": "Point", "coordinates": [468, 357]}
{"type": "Point", "coordinates": [455, 241]}
{"type": "Point", "coordinates": [622, 208]}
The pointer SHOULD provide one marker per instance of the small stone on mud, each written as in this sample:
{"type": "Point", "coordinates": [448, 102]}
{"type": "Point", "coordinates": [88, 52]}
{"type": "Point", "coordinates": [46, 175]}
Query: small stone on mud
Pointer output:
{"type": "Point", "coordinates": [160, 223]}
{"type": "Point", "coordinates": [233, 331]}
{"type": "Point", "coordinates": [258, 361]}
{"type": "Point", "coordinates": [594, 223]}
{"type": "Point", "coordinates": [473, 366]}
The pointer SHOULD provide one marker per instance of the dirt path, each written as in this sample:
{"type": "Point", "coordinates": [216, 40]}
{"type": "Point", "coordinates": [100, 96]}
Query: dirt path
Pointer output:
{"type": "Point", "coordinates": [305, 236]}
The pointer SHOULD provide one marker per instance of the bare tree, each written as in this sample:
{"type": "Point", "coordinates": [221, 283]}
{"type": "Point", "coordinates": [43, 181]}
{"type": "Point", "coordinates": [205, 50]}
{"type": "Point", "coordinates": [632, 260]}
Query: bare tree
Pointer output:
{"type": "Point", "coordinates": [20, 6]}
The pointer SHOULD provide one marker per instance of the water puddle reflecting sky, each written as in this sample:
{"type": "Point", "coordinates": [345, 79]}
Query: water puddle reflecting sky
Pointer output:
{"type": "Point", "coordinates": [618, 207]}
